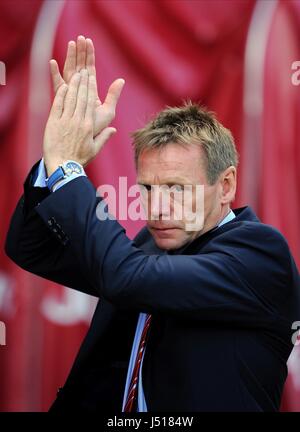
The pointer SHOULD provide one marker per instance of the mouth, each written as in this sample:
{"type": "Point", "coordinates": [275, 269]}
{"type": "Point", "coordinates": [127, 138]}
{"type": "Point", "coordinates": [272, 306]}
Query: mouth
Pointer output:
{"type": "Point", "coordinates": [164, 232]}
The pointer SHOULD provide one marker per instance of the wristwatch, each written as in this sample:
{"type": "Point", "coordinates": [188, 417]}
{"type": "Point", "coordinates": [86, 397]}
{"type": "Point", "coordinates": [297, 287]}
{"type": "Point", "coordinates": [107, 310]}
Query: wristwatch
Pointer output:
{"type": "Point", "coordinates": [63, 171]}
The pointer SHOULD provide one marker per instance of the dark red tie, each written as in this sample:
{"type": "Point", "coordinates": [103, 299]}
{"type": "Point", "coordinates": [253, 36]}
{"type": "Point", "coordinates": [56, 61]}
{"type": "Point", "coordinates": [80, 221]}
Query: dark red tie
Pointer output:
{"type": "Point", "coordinates": [132, 390]}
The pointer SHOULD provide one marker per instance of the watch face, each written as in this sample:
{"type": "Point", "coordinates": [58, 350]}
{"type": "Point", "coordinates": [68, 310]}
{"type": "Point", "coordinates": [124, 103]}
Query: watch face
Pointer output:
{"type": "Point", "coordinates": [71, 167]}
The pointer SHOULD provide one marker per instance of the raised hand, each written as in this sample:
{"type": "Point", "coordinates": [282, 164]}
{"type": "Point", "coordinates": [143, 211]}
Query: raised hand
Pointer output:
{"type": "Point", "coordinates": [69, 133]}
{"type": "Point", "coordinates": [81, 55]}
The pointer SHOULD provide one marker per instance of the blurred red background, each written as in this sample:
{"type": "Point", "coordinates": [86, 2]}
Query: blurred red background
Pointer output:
{"type": "Point", "coordinates": [235, 57]}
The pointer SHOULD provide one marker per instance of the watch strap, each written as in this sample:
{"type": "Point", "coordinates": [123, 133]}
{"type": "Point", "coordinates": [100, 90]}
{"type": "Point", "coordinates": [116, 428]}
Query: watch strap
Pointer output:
{"type": "Point", "coordinates": [57, 175]}
{"type": "Point", "coordinates": [66, 172]}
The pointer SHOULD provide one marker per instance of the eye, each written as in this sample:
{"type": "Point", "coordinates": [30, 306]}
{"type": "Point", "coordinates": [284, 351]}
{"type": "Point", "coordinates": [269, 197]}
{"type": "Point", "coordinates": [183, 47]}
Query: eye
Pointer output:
{"type": "Point", "coordinates": [145, 187]}
{"type": "Point", "coordinates": [176, 188]}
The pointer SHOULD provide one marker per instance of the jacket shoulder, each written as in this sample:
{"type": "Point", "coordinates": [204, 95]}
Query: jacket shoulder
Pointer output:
{"type": "Point", "coordinates": [255, 231]}
{"type": "Point", "coordinates": [245, 239]}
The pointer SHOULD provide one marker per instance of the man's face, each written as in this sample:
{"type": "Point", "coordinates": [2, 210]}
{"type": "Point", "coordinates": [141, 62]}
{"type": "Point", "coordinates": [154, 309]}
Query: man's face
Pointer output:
{"type": "Point", "coordinates": [175, 166]}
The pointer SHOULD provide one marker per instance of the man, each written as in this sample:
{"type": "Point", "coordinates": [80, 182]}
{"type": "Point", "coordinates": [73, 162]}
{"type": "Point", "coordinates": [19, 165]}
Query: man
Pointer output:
{"type": "Point", "coordinates": [188, 319]}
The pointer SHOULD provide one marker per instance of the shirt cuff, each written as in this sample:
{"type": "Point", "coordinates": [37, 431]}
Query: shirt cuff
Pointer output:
{"type": "Point", "coordinates": [40, 175]}
{"type": "Point", "coordinates": [66, 180]}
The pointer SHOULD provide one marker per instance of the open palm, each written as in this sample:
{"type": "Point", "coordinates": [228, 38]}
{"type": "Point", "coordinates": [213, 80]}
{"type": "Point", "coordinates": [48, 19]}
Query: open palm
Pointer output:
{"type": "Point", "coordinates": [81, 55]}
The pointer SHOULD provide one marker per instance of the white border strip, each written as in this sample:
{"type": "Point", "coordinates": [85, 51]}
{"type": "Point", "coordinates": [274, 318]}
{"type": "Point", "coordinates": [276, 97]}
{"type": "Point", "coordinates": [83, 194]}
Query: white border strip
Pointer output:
{"type": "Point", "coordinates": [39, 90]}
{"type": "Point", "coordinates": [253, 99]}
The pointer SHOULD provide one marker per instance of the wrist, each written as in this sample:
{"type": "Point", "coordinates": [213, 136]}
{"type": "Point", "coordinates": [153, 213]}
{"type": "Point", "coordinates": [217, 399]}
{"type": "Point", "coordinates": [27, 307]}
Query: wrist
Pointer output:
{"type": "Point", "coordinates": [67, 169]}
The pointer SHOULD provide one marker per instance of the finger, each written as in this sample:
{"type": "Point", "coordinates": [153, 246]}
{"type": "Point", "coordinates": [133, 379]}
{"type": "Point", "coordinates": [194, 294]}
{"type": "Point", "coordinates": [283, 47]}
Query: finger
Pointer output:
{"type": "Point", "coordinates": [103, 137]}
{"type": "Point", "coordinates": [82, 94]}
{"type": "Point", "coordinates": [113, 94]}
{"type": "Point", "coordinates": [70, 62]}
{"type": "Point", "coordinates": [91, 65]}
{"type": "Point", "coordinates": [58, 102]}
{"type": "Point", "coordinates": [80, 53]}
{"type": "Point", "coordinates": [90, 57]}
{"type": "Point", "coordinates": [57, 79]}
{"type": "Point", "coordinates": [71, 96]}
{"type": "Point", "coordinates": [92, 95]}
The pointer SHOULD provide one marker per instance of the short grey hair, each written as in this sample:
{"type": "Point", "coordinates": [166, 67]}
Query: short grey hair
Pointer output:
{"type": "Point", "coordinates": [187, 124]}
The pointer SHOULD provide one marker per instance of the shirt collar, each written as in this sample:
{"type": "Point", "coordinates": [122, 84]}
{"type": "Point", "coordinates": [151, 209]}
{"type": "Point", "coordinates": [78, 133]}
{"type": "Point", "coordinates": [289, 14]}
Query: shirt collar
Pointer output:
{"type": "Point", "coordinates": [227, 218]}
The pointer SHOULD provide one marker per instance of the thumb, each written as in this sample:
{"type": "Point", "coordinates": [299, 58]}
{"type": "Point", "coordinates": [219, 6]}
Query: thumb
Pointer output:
{"type": "Point", "coordinates": [57, 79]}
{"type": "Point", "coordinates": [102, 137]}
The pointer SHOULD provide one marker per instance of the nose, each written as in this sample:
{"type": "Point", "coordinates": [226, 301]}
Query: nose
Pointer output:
{"type": "Point", "coordinates": [160, 203]}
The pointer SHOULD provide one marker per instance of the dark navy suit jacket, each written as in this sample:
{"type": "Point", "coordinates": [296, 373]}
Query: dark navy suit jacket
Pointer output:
{"type": "Point", "coordinates": [222, 306]}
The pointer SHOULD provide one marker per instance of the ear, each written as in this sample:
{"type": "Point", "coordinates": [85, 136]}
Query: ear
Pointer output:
{"type": "Point", "coordinates": [228, 185]}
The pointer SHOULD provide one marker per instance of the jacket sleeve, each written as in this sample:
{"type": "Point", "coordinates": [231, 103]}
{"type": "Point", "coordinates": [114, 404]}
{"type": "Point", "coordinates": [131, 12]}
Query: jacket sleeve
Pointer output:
{"type": "Point", "coordinates": [36, 249]}
{"type": "Point", "coordinates": [230, 281]}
